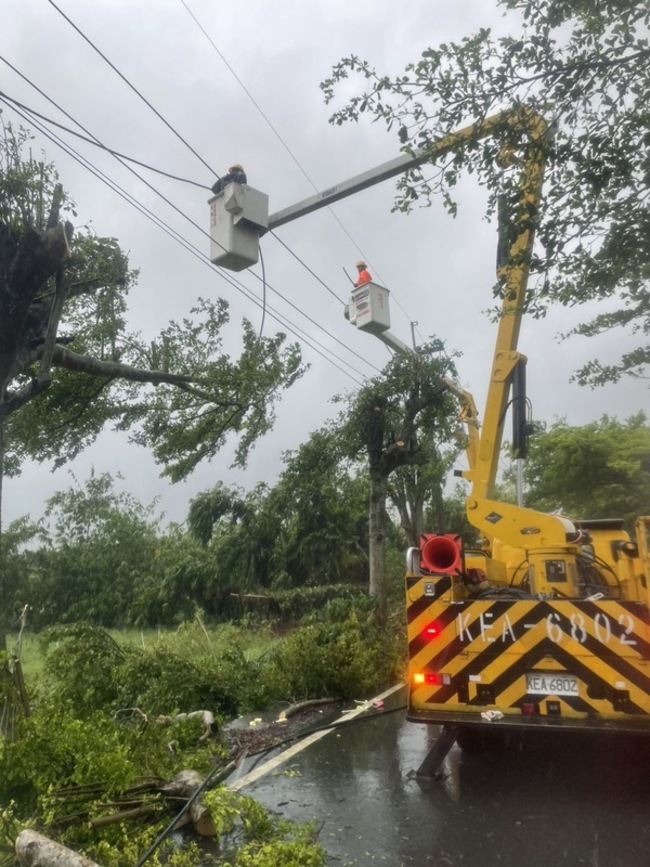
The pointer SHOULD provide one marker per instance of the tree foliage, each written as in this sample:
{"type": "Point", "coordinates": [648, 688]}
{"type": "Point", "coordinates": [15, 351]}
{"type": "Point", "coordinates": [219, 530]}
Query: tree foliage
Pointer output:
{"type": "Point", "coordinates": [69, 365]}
{"type": "Point", "coordinates": [104, 738]}
{"type": "Point", "coordinates": [394, 422]}
{"type": "Point", "coordinates": [310, 528]}
{"type": "Point", "coordinates": [585, 64]}
{"type": "Point", "coordinates": [599, 470]}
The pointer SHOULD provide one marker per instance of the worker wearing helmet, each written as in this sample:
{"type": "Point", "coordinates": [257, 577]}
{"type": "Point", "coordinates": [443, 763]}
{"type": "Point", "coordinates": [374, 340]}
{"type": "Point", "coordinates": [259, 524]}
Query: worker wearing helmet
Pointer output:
{"type": "Point", "coordinates": [235, 175]}
{"type": "Point", "coordinates": [364, 274]}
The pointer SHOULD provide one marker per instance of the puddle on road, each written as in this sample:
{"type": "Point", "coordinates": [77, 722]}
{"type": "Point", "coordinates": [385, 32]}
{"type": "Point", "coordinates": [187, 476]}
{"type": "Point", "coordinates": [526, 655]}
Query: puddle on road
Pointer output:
{"type": "Point", "coordinates": [546, 801]}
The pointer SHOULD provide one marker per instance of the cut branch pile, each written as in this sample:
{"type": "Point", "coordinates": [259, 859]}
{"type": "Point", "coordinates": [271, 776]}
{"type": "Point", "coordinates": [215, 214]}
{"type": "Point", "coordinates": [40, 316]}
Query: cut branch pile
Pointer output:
{"type": "Point", "coordinates": [149, 799]}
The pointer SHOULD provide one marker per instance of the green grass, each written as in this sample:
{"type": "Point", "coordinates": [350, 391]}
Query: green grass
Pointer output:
{"type": "Point", "coordinates": [191, 640]}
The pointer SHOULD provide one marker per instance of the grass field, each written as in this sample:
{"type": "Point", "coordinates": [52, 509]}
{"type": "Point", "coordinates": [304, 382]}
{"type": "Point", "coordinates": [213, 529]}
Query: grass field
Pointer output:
{"type": "Point", "coordinates": [191, 640]}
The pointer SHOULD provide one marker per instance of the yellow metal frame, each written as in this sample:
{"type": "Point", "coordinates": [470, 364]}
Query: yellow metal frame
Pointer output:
{"type": "Point", "coordinates": [468, 655]}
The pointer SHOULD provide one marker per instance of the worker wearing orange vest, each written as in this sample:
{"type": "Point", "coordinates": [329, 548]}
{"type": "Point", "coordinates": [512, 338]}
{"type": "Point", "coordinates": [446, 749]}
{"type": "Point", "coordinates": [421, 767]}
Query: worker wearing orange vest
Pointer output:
{"type": "Point", "coordinates": [364, 274]}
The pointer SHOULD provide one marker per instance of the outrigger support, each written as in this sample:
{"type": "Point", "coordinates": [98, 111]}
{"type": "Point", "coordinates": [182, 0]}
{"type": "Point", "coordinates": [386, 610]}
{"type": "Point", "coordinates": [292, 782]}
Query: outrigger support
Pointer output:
{"type": "Point", "coordinates": [438, 752]}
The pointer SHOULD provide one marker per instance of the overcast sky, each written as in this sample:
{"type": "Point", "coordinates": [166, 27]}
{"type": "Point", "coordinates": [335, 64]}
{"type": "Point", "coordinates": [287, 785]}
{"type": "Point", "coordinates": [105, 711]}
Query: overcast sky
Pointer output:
{"type": "Point", "coordinates": [250, 94]}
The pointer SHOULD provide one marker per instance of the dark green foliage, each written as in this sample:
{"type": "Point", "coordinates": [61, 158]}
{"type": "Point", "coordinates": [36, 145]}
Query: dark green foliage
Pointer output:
{"type": "Point", "coordinates": [586, 65]}
{"type": "Point", "coordinates": [99, 552]}
{"type": "Point", "coordinates": [104, 717]}
{"type": "Point", "coordinates": [330, 601]}
{"type": "Point", "coordinates": [267, 840]}
{"type": "Point", "coordinates": [68, 365]}
{"type": "Point", "coordinates": [163, 682]}
{"type": "Point", "coordinates": [599, 470]}
{"type": "Point", "coordinates": [82, 661]}
{"type": "Point", "coordinates": [309, 529]}
{"type": "Point", "coordinates": [91, 672]}
{"type": "Point", "coordinates": [348, 659]}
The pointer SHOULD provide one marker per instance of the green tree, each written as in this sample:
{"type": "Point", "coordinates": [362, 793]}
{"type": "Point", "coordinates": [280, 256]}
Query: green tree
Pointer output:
{"type": "Point", "coordinates": [388, 423]}
{"type": "Point", "coordinates": [417, 490]}
{"type": "Point", "coordinates": [181, 579]}
{"type": "Point", "coordinates": [68, 365]}
{"type": "Point", "coordinates": [322, 499]}
{"type": "Point", "coordinates": [99, 548]}
{"type": "Point", "coordinates": [585, 63]}
{"type": "Point", "coordinates": [599, 470]}
{"type": "Point", "coordinates": [240, 532]}
{"type": "Point", "coordinates": [310, 528]}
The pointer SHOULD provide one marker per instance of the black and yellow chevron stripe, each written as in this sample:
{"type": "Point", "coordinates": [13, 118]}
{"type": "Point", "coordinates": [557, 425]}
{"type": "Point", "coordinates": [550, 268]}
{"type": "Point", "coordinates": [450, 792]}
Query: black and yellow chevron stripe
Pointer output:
{"type": "Point", "coordinates": [475, 655]}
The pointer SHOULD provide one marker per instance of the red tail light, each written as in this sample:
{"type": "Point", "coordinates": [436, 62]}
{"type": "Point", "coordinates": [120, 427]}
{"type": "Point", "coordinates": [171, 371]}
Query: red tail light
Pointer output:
{"type": "Point", "coordinates": [432, 631]}
{"type": "Point", "coordinates": [431, 678]}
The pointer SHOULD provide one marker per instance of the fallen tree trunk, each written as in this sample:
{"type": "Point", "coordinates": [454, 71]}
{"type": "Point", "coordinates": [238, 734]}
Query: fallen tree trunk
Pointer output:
{"type": "Point", "coordinates": [34, 850]}
{"type": "Point", "coordinates": [304, 705]}
{"type": "Point", "coordinates": [185, 785]}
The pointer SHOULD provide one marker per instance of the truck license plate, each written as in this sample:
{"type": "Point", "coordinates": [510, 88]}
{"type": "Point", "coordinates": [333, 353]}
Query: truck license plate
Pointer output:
{"type": "Point", "coordinates": [551, 683]}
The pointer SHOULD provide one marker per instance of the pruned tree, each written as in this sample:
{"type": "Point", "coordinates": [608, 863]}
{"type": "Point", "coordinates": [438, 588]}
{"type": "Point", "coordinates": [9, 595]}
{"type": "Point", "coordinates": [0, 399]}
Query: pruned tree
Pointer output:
{"type": "Point", "coordinates": [389, 423]}
{"type": "Point", "coordinates": [417, 489]}
{"type": "Point", "coordinates": [585, 63]}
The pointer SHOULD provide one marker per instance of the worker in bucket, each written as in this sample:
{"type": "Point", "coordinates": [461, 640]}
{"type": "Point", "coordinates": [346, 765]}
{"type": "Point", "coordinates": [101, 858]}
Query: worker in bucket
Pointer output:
{"type": "Point", "coordinates": [364, 274]}
{"type": "Point", "coordinates": [235, 175]}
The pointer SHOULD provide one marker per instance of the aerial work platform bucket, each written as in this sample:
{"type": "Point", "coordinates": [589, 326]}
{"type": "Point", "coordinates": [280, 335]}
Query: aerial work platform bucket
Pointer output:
{"type": "Point", "coordinates": [368, 308]}
{"type": "Point", "coordinates": [239, 214]}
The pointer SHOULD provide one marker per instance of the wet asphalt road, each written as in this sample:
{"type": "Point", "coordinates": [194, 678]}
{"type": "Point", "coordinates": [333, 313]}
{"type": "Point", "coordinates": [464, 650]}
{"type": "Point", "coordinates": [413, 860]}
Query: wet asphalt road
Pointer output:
{"type": "Point", "coordinates": [551, 799]}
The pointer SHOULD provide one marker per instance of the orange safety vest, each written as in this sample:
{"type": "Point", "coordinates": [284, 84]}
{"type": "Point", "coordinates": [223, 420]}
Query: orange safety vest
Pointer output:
{"type": "Point", "coordinates": [364, 277]}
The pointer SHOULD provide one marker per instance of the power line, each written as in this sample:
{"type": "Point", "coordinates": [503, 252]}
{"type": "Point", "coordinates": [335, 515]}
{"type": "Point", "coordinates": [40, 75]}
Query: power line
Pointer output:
{"type": "Point", "coordinates": [94, 143]}
{"type": "Point", "coordinates": [273, 129]}
{"type": "Point", "coordinates": [157, 113]}
{"type": "Point", "coordinates": [196, 225]}
{"type": "Point", "coordinates": [132, 86]}
{"type": "Point", "coordinates": [288, 150]}
{"type": "Point", "coordinates": [186, 244]}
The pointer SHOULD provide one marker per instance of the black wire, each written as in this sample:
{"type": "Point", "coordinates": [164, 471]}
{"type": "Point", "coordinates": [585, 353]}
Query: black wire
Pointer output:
{"type": "Point", "coordinates": [304, 264]}
{"type": "Point", "coordinates": [289, 151]}
{"type": "Point", "coordinates": [96, 143]}
{"type": "Point", "coordinates": [133, 87]}
{"type": "Point", "coordinates": [270, 124]}
{"type": "Point", "coordinates": [166, 122]}
{"type": "Point", "coordinates": [197, 226]}
{"type": "Point", "coordinates": [188, 246]}
{"type": "Point", "coordinates": [334, 725]}
{"type": "Point", "coordinates": [225, 772]}
{"type": "Point", "coordinates": [208, 780]}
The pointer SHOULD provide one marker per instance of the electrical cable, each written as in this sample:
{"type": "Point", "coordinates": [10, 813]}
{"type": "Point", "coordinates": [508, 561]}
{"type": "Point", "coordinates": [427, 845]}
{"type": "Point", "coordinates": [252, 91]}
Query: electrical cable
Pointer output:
{"type": "Point", "coordinates": [289, 151]}
{"type": "Point", "coordinates": [95, 143]}
{"type": "Point", "coordinates": [170, 127]}
{"type": "Point", "coordinates": [340, 723]}
{"type": "Point", "coordinates": [230, 767]}
{"type": "Point", "coordinates": [304, 264]}
{"type": "Point", "coordinates": [211, 778]}
{"type": "Point", "coordinates": [192, 222]}
{"type": "Point", "coordinates": [144, 99]}
{"type": "Point", "coordinates": [267, 119]}
{"type": "Point", "coordinates": [188, 246]}
{"type": "Point", "coordinates": [133, 87]}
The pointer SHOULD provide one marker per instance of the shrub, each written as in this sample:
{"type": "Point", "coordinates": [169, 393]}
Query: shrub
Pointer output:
{"type": "Point", "coordinates": [343, 660]}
